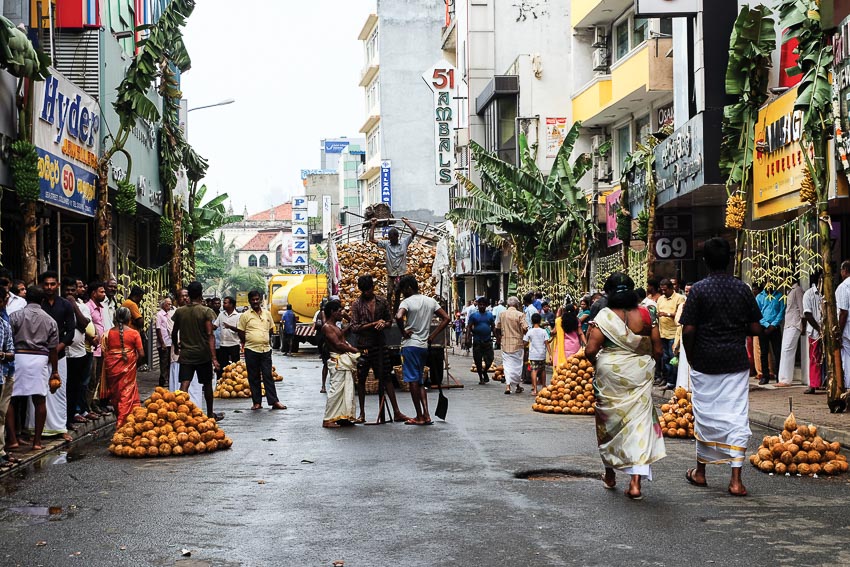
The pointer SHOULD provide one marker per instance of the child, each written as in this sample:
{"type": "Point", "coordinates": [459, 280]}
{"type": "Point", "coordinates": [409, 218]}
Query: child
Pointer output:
{"type": "Point", "coordinates": [536, 339]}
{"type": "Point", "coordinates": [458, 326]}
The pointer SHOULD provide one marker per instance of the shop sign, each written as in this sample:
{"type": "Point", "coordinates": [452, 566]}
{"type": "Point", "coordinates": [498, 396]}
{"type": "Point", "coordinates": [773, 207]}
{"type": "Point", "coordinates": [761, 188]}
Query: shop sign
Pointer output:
{"type": "Point", "coordinates": [441, 80]}
{"type": "Point", "coordinates": [327, 217]}
{"type": "Point", "coordinates": [335, 146]}
{"type": "Point", "coordinates": [386, 184]}
{"type": "Point", "coordinates": [665, 115]}
{"type": "Point", "coordinates": [779, 164]}
{"type": "Point", "coordinates": [612, 207]}
{"type": "Point", "coordinates": [297, 248]}
{"type": "Point", "coordinates": [667, 8]}
{"type": "Point", "coordinates": [674, 237]}
{"type": "Point", "coordinates": [66, 134]}
{"type": "Point", "coordinates": [679, 161]}
{"type": "Point", "coordinates": [305, 173]}
{"type": "Point", "coordinates": [637, 190]}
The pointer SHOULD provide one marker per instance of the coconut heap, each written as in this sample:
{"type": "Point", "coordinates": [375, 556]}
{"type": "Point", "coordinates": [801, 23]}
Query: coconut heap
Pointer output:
{"type": "Point", "coordinates": [360, 258]}
{"type": "Point", "coordinates": [799, 450]}
{"type": "Point", "coordinates": [571, 389]}
{"type": "Point", "coordinates": [234, 381]}
{"type": "Point", "coordinates": [168, 424]}
{"type": "Point", "coordinates": [677, 416]}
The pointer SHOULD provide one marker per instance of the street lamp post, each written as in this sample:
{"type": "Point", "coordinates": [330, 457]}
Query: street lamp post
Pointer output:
{"type": "Point", "coordinates": [222, 103]}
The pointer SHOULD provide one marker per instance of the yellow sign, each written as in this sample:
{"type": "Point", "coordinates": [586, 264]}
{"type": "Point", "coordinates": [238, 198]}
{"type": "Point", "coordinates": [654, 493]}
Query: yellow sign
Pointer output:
{"type": "Point", "coordinates": [778, 161]}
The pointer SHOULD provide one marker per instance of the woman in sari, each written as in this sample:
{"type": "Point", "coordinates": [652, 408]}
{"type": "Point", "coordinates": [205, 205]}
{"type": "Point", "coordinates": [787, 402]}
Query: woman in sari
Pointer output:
{"type": "Point", "coordinates": [625, 347]}
{"type": "Point", "coordinates": [567, 336]}
{"type": "Point", "coordinates": [122, 348]}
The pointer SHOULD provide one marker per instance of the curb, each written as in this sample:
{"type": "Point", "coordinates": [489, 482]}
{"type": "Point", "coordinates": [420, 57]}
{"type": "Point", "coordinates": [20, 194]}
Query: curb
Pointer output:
{"type": "Point", "coordinates": [776, 422]}
{"type": "Point", "coordinates": [86, 432]}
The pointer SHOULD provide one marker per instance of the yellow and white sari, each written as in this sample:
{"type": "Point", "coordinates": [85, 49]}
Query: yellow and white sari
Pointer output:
{"type": "Point", "coordinates": [627, 428]}
{"type": "Point", "coordinates": [341, 390]}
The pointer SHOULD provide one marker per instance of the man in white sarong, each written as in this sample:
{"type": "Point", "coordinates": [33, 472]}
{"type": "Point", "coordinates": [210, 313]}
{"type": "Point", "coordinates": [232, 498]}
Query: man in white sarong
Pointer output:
{"type": "Point", "coordinates": [342, 365]}
{"type": "Point", "coordinates": [511, 327]}
{"type": "Point", "coordinates": [36, 337]}
{"type": "Point", "coordinates": [719, 314]}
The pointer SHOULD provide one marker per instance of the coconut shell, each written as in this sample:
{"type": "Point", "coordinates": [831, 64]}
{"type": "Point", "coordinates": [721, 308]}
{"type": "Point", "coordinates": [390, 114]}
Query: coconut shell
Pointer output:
{"type": "Point", "coordinates": [813, 430]}
{"type": "Point", "coordinates": [790, 422]}
{"type": "Point", "coordinates": [792, 468]}
{"type": "Point", "coordinates": [835, 446]}
{"type": "Point", "coordinates": [786, 435]}
{"type": "Point", "coordinates": [804, 469]}
{"type": "Point", "coordinates": [814, 468]}
{"type": "Point", "coordinates": [778, 449]}
{"type": "Point", "coordinates": [766, 466]}
{"type": "Point", "coordinates": [780, 468]}
{"type": "Point", "coordinates": [797, 439]}
{"type": "Point", "coordinates": [803, 430]}
{"type": "Point", "coordinates": [786, 457]}
{"type": "Point", "coordinates": [828, 469]}
{"type": "Point", "coordinates": [794, 449]}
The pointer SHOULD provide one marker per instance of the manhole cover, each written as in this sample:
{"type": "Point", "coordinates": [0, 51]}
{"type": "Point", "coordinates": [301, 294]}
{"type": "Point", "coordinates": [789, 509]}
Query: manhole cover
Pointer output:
{"type": "Point", "coordinates": [553, 475]}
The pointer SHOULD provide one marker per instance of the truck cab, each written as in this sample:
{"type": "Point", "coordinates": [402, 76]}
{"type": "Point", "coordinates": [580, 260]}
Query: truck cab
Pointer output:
{"type": "Point", "coordinates": [305, 294]}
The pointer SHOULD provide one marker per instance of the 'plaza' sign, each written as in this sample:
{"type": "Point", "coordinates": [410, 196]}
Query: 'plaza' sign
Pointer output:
{"type": "Point", "coordinates": [441, 80]}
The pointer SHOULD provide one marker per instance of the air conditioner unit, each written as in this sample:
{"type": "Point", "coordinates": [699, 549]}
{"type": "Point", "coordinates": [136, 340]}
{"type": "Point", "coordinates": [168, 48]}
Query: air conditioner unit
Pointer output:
{"type": "Point", "coordinates": [600, 59]}
{"type": "Point", "coordinates": [600, 37]}
{"type": "Point", "coordinates": [603, 169]}
{"type": "Point", "coordinates": [596, 142]}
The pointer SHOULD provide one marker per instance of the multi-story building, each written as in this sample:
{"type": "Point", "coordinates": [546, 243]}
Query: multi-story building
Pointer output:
{"type": "Point", "coordinates": [322, 187]}
{"type": "Point", "coordinates": [401, 41]}
{"type": "Point", "coordinates": [331, 149]}
{"type": "Point", "coordinates": [350, 188]}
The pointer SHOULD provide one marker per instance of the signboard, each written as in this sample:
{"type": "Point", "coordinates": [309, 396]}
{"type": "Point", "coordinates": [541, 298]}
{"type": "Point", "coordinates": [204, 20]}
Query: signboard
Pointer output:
{"type": "Point", "coordinates": [556, 129]}
{"type": "Point", "coordinates": [386, 184]}
{"type": "Point", "coordinates": [687, 160]}
{"type": "Point", "coordinates": [327, 217]}
{"type": "Point", "coordinates": [441, 80]}
{"type": "Point", "coordinates": [674, 237]}
{"type": "Point", "coordinates": [666, 8]}
{"type": "Point", "coordinates": [305, 173]}
{"type": "Point", "coordinates": [299, 247]}
{"type": "Point", "coordinates": [612, 207]}
{"type": "Point", "coordinates": [665, 115]}
{"type": "Point", "coordinates": [335, 146]}
{"type": "Point", "coordinates": [299, 230]}
{"type": "Point", "coordinates": [299, 203]}
{"type": "Point", "coordinates": [312, 209]}
{"type": "Point", "coordinates": [66, 134]}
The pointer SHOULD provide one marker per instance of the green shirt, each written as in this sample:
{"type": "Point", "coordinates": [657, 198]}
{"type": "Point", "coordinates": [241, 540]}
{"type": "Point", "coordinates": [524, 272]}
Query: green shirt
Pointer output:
{"type": "Point", "coordinates": [191, 331]}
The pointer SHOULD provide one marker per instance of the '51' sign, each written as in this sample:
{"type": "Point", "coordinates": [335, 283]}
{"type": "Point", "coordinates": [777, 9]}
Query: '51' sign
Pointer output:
{"type": "Point", "coordinates": [441, 80]}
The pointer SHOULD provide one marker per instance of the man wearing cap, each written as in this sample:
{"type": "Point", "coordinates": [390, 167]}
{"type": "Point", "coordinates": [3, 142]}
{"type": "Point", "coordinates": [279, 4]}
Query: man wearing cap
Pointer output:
{"type": "Point", "coordinates": [480, 325]}
{"type": "Point", "coordinates": [137, 322]}
{"type": "Point", "coordinates": [396, 250]}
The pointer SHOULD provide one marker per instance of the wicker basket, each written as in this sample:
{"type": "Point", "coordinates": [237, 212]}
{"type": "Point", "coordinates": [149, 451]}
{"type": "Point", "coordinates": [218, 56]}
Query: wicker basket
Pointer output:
{"type": "Point", "coordinates": [371, 384]}
{"type": "Point", "coordinates": [404, 386]}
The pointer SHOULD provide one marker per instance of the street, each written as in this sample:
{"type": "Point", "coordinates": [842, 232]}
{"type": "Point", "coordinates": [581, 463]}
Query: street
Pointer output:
{"type": "Point", "coordinates": [292, 493]}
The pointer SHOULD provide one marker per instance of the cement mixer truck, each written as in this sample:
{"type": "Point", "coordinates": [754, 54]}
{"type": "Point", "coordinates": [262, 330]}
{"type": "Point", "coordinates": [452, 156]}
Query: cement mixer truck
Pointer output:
{"type": "Point", "coordinates": [305, 294]}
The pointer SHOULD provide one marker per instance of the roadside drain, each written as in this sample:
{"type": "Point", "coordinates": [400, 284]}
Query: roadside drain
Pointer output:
{"type": "Point", "coordinates": [555, 475]}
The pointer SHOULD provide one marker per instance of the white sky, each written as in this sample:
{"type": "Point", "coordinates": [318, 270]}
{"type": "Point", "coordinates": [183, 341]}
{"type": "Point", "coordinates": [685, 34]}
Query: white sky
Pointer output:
{"type": "Point", "coordinates": [293, 69]}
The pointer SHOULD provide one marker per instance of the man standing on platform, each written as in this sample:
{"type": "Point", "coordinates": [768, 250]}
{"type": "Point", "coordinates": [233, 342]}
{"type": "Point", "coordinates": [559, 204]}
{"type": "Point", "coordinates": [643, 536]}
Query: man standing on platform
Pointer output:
{"type": "Point", "coordinates": [396, 251]}
{"type": "Point", "coordinates": [255, 329]}
{"type": "Point", "coordinates": [481, 326]}
{"type": "Point", "coordinates": [719, 314]}
{"type": "Point", "coordinates": [194, 344]}
{"type": "Point", "coordinates": [370, 315]}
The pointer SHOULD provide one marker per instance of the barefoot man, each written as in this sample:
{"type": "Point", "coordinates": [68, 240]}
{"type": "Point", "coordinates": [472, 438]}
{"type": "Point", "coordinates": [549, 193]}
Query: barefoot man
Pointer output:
{"type": "Point", "coordinates": [719, 314]}
{"type": "Point", "coordinates": [414, 318]}
{"type": "Point", "coordinates": [342, 366]}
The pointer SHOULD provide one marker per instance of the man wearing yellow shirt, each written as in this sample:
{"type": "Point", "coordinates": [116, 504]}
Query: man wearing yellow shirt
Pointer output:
{"type": "Point", "coordinates": [255, 327]}
{"type": "Point", "coordinates": [668, 303]}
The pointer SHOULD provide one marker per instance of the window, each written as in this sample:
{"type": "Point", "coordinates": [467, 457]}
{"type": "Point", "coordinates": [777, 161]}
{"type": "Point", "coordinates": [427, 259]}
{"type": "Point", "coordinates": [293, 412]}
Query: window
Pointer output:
{"type": "Point", "coordinates": [630, 32]}
{"type": "Point", "coordinates": [373, 191]}
{"type": "Point", "coordinates": [621, 36]}
{"type": "Point", "coordinates": [278, 255]}
{"type": "Point", "coordinates": [500, 127]}
{"type": "Point", "coordinates": [252, 261]}
{"type": "Point", "coordinates": [350, 165]}
{"type": "Point", "coordinates": [640, 30]}
{"type": "Point", "coordinates": [665, 26]}
{"type": "Point", "coordinates": [264, 261]}
{"type": "Point", "coordinates": [373, 94]}
{"type": "Point", "coordinates": [372, 47]}
{"type": "Point", "coordinates": [642, 127]}
{"type": "Point", "coordinates": [373, 142]}
{"type": "Point", "coordinates": [623, 142]}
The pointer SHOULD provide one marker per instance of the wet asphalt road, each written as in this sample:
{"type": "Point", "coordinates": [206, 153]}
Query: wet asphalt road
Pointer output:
{"type": "Point", "coordinates": [396, 495]}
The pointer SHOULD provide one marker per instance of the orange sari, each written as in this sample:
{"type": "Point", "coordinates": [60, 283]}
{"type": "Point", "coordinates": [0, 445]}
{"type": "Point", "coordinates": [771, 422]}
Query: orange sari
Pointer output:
{"type": "Point", "coordinates": [119, 374]}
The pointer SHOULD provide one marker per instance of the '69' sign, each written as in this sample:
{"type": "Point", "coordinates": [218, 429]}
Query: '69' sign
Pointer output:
{"type": "Point", "coordinates": [441, 80]}
{"type": "Point", "coordinates": [674, 237]}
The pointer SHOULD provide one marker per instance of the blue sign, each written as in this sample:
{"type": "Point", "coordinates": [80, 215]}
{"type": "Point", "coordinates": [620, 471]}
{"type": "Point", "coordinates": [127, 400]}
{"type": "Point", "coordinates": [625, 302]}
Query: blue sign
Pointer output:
{"type": "Point", "coordinates": [386, 184]}
{"type": "Point", "coordinates": [305, 173]}
{"type": "Point", "coordinates": [357, 152]}
{"type": "Point", "coordinates": [65, 185]}
{"type": "Point", "coordinates": [335, 146]}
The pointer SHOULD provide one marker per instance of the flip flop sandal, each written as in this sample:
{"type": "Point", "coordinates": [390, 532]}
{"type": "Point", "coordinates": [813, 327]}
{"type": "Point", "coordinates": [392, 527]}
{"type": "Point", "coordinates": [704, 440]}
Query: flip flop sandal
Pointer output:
{"type": "Point", "coordinates": [608, 486]}
{"type": "Point", "coordinates": [690, 478]}
{"type": "Point", "coordinates": [631, 496]}
{"type": "Point", "coordinates": [359, 420]}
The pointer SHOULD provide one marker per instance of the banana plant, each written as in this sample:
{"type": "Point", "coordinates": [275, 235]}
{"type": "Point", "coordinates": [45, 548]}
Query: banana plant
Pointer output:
{"type": "Point", "coordinates": [540, 218]}
{"type": "Point", "coordinates": [801, 20]}
{"type": "Point", "coordinates": [203, 219]}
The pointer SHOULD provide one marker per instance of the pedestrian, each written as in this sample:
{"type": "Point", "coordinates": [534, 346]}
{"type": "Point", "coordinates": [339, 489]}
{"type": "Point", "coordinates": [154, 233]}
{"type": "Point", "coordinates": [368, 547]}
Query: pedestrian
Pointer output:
{"type": "Point", "coordinates": [510, 329]}
{"type": "Point", "coordinates": [137, 320]}
{"type": "Point", "coordinates": [194, 343]}
{"type": "Point", "coordinates": [842, 302]}
{"type": "Point", "coordinates": [528, 308]}
{"type": "Point", "coordinates": [324, 353]}
{"type": "Point", "coordinates": [624, 347]}
{"type": "Point", "coordinates": [65, 316]}
{"type": "Point", "coordinates": [771, 302]}
{"type": "Point", "coordinates": [719, 314]}
{"type": "Point", "coordinates": [122, 349]}
{"type": "Point", "coordinates": [536, 339]}
{"type": "Point", "coordinates": [791, 330]}
{"type": "Point", "coordinates": [499, 309]}
{"type": "Point", "coordinates": [567, 336]}
{"type": "Point", "coordinates": [583, 314]}
{"type": "Point", "coordinates": [14, 302]}
{"type": "Point", "coordinates": [163, 341]}
{"type": "Point", "coordinates": [674, 283]}
{"type": "Point", "coordinates": [668, 302]}
{"type": "Point", "coordinates": [288, 328]}
{"type": "Point", "coordinates": [255, 329]}
{"type": "Point", "coordinates": [598, 302]}
{"type": "Point", "coordinates": [340, 408]}
{"type": "Point", "coordinates": [36, 337]}
{"type": "Point", "coordinates": [480, 327]}
{"type": "Point", "coordinates": [111, 289]}
{"type": "Point", "coordinates": [812, 301]}
{"type": "Point", "coordinates": [458, 326]}
{"type": "Point", "coordinates": [78, 354]}
{"type": "Point", "coordinates": [7, 376]}
{"type": "Point", "coordinates": [196, 391]}
{"type": "Point", "coordinates": [414, 319]}
{"type": "Point", "coordinates": [469, 310]}
{"type": "Point", "coordinates": [538, 301]}
{"type": "Point", "coordinates": [370, 315]}
{"type": "Point", "coordinates": [396, 256]}
{"type": "Point", "coordinates": [228, 351]}
{"type": "Point", "coordinates": [547, 315]}
{"type": "Point", "coordinates": [99, 314]}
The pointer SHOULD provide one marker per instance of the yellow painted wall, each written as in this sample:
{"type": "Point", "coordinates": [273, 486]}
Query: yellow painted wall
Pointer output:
{"type": "Point", "coordinates": [591, 102]}
{"type": "Point", "coordinates": [630, 75]}
{"type": "Point", "coordinates": [581, 8]}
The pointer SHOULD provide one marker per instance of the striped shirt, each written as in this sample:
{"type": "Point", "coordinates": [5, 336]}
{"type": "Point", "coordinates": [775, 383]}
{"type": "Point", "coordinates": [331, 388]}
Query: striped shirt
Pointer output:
{"type": "Point", "coordinates": [513, 327]}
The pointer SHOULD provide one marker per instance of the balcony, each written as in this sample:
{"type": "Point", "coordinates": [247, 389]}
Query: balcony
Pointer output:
{"type": "Point", "coordinates": [587, 13]}
{"type": "Point", "coordinates": [368, 26]}
{"type": "Point", "coordinates": [636, 81]}
{"type": "Point", "coordinates": [371, 122]}
{"type": "Point", "coordinates": [369, 72]}
{"type": "Point", "coordinates": [368, 170]}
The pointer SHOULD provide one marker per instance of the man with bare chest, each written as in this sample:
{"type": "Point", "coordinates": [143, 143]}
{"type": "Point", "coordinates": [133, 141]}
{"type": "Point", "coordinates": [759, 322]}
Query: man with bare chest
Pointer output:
{"type": "Point", "coordinates": [340, 408]}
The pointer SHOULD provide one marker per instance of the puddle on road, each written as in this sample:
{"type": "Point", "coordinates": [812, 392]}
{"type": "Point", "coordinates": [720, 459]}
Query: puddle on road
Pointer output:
{"type": "Point", "coordinates": [41, 514]}
{"type": "Point", "coordinates": [9, 483]}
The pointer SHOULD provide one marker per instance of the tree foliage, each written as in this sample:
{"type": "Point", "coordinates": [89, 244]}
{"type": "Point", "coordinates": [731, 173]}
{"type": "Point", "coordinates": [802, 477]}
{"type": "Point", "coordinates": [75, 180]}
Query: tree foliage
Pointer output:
{"type": "Point", "coordinates": [207, 217]}
{"type": "Point", "coordinates": [542, 218]}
